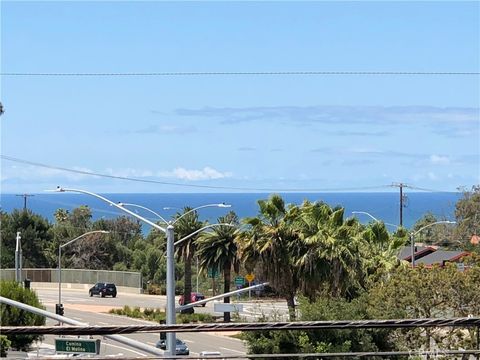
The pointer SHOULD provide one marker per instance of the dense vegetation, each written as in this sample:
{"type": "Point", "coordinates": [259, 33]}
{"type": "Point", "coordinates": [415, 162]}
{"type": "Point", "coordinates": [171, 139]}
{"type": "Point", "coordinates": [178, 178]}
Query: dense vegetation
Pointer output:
{"type": "Point", "coordinates": [13, 316]}
{"type": "Point", "coordinates": [340, 268]}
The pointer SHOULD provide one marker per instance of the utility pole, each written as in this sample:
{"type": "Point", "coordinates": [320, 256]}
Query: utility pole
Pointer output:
{"type": "Point", "coordinates": [401, 186]}
{"type": "Point", "coordinates": [25, 196]}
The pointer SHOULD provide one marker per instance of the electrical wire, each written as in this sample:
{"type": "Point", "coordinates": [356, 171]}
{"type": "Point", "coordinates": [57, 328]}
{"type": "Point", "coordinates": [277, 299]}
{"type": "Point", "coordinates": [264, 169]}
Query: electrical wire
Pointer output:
{"type": "Point", "coordinates": [273, 326]}
{"type": "Point", "coordinates": [241, 73]}
{"type": "Point", "coordinates": [151, 181]}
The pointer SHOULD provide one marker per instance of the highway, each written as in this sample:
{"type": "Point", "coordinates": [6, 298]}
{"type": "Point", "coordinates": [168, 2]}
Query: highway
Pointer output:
{"type": "Point", "coordinates": [80, 306]}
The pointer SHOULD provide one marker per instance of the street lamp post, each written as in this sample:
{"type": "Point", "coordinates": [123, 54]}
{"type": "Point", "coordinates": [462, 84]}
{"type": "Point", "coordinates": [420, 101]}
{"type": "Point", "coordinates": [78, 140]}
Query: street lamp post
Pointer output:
{"type": "Point", "coordinates": [60, 261]}
{"type": "Point", "coordinates": [412, 236]}
{"type": "Point", "coordinates": [169, 231]}
{"type": "Point", "coordinates": [373, 217]}
{"type": "Point", "coordinates": [144, 208]}
{"type": "Point", "coordinates": [170, 254]}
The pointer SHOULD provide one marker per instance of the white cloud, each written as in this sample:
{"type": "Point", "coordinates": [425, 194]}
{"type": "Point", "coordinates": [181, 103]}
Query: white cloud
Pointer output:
{"type": "Point", "coordinates": [431, 175]}
{"type": "Point", "coordinates": [439, 159]}
{"type": "Point", "coordinates": [207, 173]}
{"type": "Point", "coordinates": [129, 172]}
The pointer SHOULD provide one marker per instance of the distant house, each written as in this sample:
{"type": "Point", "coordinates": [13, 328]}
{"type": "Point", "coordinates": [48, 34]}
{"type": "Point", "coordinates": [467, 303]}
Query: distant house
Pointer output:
{"type": "Point", "coordinates": [420, 251]}
{"type": "Point", "coordinates": [440, 257]}
{"type": "Point", "coordinates": [430, 255]}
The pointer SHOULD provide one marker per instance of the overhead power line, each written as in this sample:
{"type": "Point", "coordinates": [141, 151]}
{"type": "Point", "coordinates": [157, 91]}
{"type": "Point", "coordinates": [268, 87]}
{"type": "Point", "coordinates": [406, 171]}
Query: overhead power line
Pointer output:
{"type": "Point", "coordinates": [273, 326]}
{"type": "Point", "coordinates": [243, 73]}
{"type": "Point", "coordinates": [151, 181]}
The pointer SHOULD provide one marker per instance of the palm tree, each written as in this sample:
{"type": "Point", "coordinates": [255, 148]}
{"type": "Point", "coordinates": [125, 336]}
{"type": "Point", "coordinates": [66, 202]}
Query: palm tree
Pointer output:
{"type": "Point", "coordinates": [381, 250]}
{"type": "Point", "coordinates": [186, 250]}
{"type": "Point", "coordinates": [329, 256]}
{"type": "Point", "coordinates": [271, 241]}
{"type": "Point", "coordinates": [218, 250]}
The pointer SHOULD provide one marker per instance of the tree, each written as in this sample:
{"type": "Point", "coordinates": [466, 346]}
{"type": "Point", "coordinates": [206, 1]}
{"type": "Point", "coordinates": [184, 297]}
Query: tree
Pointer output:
{"type": "Point", "coordinates": [329, 257]}
{"type": "Point", "coordinates": [271, 240]}
{"type": "Point", "coordinates": [218, 250]}
{"type": "Point", "coordinates": [427, 293]}
{"type": "Point", "coordinates": [439, 234]}
{"type": "Point", "coordinates": [379, 251]}
{"type": "Point", "coordinates": [325, 340]}
{"type": "Point", "coordinates": [186, 224]}
{"type": "Point", "coordinates": [467, 213]}
{"type": "Point", "coordinates": [14, 316]}
{"type": "Point", "coordinates": [36, 237]}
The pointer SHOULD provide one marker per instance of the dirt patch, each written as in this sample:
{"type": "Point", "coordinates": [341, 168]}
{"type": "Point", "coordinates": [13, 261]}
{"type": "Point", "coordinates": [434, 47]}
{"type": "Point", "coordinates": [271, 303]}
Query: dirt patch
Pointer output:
{"type": "Point", "coordinates": [92, 308]}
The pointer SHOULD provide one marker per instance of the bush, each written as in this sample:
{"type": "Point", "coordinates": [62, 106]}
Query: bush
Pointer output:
{"type": "Point", "coordinates": [194, 318]}
{"type": "Point", "coordinates": [158, 315]}
{"type": "Point", "coordinates": [4, 345]}
{"type": "Point", "coordinates": [14, 316]}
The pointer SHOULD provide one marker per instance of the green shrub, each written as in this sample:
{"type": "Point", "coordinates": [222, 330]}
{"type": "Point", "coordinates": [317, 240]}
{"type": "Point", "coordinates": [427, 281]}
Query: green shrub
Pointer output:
{"type": "Point", "coordinates": [158, 315]}
{"type": "Point", "coordinates": [148, 312]}
{"type": "Point", "coordinates": [136, 313]}
{"type": "Point", "coordinates": [4, 345]}
{"type": "Point", "coordinates": [14, 316]}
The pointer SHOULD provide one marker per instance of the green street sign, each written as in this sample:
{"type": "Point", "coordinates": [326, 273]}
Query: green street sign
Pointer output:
{"type": "Point", "coordinates": [212, 273]}
{"type": "Point", "coordinates": [77, 346]}
{"type": "Point", "coordinates": [239, 280]}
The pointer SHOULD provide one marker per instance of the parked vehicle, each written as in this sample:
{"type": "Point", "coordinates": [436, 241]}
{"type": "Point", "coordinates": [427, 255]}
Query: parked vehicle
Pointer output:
{"type": "Point", "coordinates": [193, 298]}
{"type": "Point", "coordinates": [180, 347]}
{"type": "Point", "coordinates": [103, 289]}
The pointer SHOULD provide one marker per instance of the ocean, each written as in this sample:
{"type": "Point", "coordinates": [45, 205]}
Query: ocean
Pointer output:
{"type": "Point", "coordinates": [382, 205]}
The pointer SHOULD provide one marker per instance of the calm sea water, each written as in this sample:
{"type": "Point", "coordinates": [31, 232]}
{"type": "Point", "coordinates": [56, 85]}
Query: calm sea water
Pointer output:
{"type": "Point", "coordinates": [384, 206]}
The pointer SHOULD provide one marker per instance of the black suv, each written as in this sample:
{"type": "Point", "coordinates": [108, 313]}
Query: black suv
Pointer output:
{"type": "Point", "coordinates": [103, 289]}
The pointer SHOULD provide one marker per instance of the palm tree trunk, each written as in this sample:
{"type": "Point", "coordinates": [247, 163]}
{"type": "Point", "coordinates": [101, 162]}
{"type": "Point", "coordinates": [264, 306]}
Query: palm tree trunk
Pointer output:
{"type": "Point", "coordinates": [291, 306]}
{"type": "Point", "coordinates": [187, 293]}
{"type": "Point", "coordinates": [226, 289]}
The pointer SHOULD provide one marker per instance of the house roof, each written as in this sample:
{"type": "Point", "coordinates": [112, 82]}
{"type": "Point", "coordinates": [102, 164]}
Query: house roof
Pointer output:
{"type": "Point", "coordinates": [440, 257]}
{"type": "Point", "coordinates": [420, 251]}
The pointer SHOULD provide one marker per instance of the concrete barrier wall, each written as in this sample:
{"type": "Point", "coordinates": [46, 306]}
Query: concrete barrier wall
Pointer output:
{"type": "Point", "coordinates": [126, 281]}
{"type": "Point", "coordinates": [84, 287]}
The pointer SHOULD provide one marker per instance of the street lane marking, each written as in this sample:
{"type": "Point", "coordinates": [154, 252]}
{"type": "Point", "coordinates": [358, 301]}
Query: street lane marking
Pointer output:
{"type": "Point", "coordinates": [240, 352]}
{"type": "Point", "coordinates": [124, 348]}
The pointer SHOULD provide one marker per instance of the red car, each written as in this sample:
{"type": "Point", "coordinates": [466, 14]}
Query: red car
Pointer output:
{"type": "Point", "coordinates": [193, 298]}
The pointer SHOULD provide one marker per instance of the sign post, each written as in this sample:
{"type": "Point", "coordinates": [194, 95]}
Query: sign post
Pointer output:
{"type": "Point", "coordinates": [212, 273]}
{"type": "Point", "coordinates": [239, 282]}
{"type": "Point", "coordinates": [77, 346]}
{"type": "Point", "coordinates": [250, 278]}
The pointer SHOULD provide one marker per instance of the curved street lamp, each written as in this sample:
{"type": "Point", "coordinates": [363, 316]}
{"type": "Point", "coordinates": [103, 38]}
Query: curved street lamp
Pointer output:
{"type": "Point", "coordinates": [60, 261]}
{"type": "Point", "coordinates": [169, 231]}
{"type": "Point", "coordinates": [373, 217]}
{"type": "Point", "coordinates": [412, 235]}
{"type": "Point", "coordinates": [144, 208]}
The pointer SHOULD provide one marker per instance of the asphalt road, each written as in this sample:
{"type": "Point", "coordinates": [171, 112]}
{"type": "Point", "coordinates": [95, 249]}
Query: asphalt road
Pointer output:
{"type": "Point", "coordinates": [93, 310]}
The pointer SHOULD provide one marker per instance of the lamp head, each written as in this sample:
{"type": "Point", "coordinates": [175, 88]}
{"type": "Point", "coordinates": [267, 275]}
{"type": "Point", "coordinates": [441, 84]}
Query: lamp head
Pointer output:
{"type": "Point", "coordinates": [223, 205]}
{"type": "Point", "coordinates": [58, 189]}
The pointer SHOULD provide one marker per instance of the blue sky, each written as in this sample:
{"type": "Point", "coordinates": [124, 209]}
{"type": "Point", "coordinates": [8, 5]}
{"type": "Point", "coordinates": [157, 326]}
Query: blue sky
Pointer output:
{"type": "Point", "coordinates": [348, 132]}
